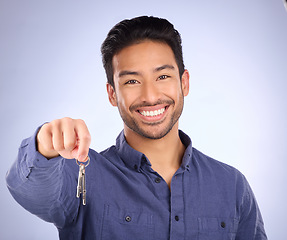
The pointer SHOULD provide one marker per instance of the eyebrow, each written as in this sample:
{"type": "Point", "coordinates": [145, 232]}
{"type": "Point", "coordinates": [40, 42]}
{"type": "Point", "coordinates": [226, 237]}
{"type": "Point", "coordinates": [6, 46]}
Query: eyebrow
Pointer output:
{"type": "Point", "coordinates": [166, 66]}
{"type": "Point", "coordinates": [134, 73]}
{"type": "Point", "coordinates": [124, 73]}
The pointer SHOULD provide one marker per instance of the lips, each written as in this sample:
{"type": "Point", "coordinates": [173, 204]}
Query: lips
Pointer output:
{"type": "Point", "coordinates": [152, 112]}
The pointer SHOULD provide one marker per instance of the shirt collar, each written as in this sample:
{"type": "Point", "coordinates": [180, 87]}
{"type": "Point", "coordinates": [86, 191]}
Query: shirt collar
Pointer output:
{"type": "Point", "coordinates": [134, 159]}
{"type": "Point", "coordinates": [186, 160]}
{"type": "Point", "coordinates": [131, 157]}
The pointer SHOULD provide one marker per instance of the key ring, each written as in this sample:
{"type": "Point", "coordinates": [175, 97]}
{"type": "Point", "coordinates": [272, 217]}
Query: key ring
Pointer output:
{"type": "Point", "coordinates": [83, 163]}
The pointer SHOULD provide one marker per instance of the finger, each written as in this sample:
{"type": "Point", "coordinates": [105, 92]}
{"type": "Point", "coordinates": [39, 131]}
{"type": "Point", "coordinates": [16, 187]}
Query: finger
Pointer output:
{"type": "Point", "coordinates": [70, 137]}
{"type": "Point", "coordinates": [45, 143]}
{"type": "Point", "coordinates": [44, 137]}
{"type": "Point", "coordinates": [57, 136]}
{"type": "Point", "coordinates": [84, 140]}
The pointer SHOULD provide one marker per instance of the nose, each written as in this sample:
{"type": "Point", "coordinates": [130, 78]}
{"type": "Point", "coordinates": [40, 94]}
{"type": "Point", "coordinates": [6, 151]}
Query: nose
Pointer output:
{"type": "Point", "coordinates": [150, 92]}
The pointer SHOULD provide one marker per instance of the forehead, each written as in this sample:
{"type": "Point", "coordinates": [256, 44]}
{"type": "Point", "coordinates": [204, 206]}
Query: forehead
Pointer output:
{"type": "Point", "coordinates": [145, 55]}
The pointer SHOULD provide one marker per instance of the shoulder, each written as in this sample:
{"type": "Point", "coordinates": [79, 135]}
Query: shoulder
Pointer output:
{"type": "Point", "coordinates": [207, 166]}
{"type": "Point", "coordinates": [212, 169]}
{"type": "Point", "coordinates": [211, 164]}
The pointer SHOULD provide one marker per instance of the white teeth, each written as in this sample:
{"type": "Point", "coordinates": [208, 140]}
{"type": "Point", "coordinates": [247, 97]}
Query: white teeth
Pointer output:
{"type": "Point", "coordinates": [153, 113]}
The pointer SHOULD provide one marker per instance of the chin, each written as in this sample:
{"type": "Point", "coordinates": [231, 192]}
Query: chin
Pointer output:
{"type": "Point", "coordinates": [153, 134]}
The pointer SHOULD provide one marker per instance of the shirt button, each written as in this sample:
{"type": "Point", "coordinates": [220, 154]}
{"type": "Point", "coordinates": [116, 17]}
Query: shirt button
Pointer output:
{"type": "Point", "coordinates": [176, 218]}
{"type": "Point", "coordinates": [157, 180]}
{"type": "Point", "coordinates": [128, 218]}
{"type": "Point", "coordinates": [222, 224]}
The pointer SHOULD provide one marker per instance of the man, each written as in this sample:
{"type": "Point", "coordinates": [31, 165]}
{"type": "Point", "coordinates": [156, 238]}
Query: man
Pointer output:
{"type": "Point", "coordinates": [152, 184]}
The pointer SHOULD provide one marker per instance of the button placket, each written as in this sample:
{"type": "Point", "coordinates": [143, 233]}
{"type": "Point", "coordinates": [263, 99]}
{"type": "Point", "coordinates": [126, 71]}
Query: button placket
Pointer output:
{"type": "Point", "coordinates": [177, 206]}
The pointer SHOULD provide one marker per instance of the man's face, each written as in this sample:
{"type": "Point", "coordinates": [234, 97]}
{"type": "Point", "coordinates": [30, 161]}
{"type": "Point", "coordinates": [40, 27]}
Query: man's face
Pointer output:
{"type": "Point", "coordinates": [147, 88]}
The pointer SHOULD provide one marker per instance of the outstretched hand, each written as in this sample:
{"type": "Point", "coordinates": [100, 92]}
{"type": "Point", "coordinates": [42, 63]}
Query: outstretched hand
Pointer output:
{"type": "Point", "coordinates": [67, 137]}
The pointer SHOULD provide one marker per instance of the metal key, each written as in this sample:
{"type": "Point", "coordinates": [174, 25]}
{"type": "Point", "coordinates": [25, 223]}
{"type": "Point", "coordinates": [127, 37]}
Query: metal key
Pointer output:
{"type": "Point", "coordinates": [84, 191]}
{"type": "Point", "coordinates": [80, 179]}
{"type": "Point", "coordinates": [81, 187]}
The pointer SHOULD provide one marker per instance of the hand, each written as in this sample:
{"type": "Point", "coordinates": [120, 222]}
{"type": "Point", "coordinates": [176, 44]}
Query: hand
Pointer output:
{"type": "Point", "coordinates": [67, 137]}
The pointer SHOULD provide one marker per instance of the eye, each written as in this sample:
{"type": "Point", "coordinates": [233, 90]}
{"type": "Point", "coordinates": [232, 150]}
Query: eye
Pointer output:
{"type": "Point", "coordinates": [162, 77]}
{"type": "Point", "coordinates": [131, 82]}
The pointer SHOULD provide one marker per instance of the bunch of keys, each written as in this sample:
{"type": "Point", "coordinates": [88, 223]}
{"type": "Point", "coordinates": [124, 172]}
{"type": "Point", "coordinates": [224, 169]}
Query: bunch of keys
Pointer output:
{"type": "Point", "coordinates": [81, 187]}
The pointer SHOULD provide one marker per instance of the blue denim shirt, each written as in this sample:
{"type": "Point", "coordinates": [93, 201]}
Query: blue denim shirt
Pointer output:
{"type": "Point", "coordinates": [127, 199]}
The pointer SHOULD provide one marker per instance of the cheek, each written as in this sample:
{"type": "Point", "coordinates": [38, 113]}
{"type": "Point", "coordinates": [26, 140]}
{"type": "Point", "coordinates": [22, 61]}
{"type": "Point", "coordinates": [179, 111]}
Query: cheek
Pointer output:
{"type": "Point", "coordinates": [128, 96]}
{"type": "Point", "coordinates": [173, 91]}
{"type": "Point", "coordinates": [124, 101]}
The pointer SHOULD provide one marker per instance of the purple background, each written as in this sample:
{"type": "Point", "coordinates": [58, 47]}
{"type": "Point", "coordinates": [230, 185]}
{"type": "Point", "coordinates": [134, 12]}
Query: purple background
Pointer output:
{"type": "Point", "coordinates": [50, 67]}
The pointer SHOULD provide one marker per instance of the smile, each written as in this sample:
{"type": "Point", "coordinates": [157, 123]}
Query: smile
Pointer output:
{"type": "Point", "coordinates": [152, 113]}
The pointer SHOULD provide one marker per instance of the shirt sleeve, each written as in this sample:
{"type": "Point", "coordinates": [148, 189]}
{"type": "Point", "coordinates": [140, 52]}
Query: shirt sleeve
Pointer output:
{"type": "Point", "coordinates": [251, 226]}
{"type": "Point", "coordinates": [39, 185]}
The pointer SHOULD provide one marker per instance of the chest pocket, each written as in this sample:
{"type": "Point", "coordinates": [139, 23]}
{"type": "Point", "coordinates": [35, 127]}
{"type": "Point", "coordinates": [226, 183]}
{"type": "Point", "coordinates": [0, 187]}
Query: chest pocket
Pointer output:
{"type": "Point", "coordinates": [217, 228]}
{"type": "Point", "coordinates": [128, 224]}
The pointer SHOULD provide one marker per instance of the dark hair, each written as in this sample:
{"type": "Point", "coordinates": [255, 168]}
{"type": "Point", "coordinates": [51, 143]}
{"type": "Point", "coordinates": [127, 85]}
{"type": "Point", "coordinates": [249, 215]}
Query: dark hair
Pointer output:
{"type": "Point", "coordinates": [128, 32]}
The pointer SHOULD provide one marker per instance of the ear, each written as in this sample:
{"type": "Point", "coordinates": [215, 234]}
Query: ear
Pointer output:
{"type": "Point", "coordinates": [185, 82]}
{"type": "Point", "coordinates": [111, 94]}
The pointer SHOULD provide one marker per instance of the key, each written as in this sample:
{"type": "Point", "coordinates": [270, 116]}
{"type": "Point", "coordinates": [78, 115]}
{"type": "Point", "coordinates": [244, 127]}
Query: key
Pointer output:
{"type": "Point", "coordinates": [80, 179]}
{"type": "Point", "coordinates": [84, 186]}
{"type": "Point", "coordinates": [81, 187]}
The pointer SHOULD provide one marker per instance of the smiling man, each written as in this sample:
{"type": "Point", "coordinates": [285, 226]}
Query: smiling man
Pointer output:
{"type": "Point", "coordinates": [148, 91]}
{"type": "Point", "coordinates": [152, 184]}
